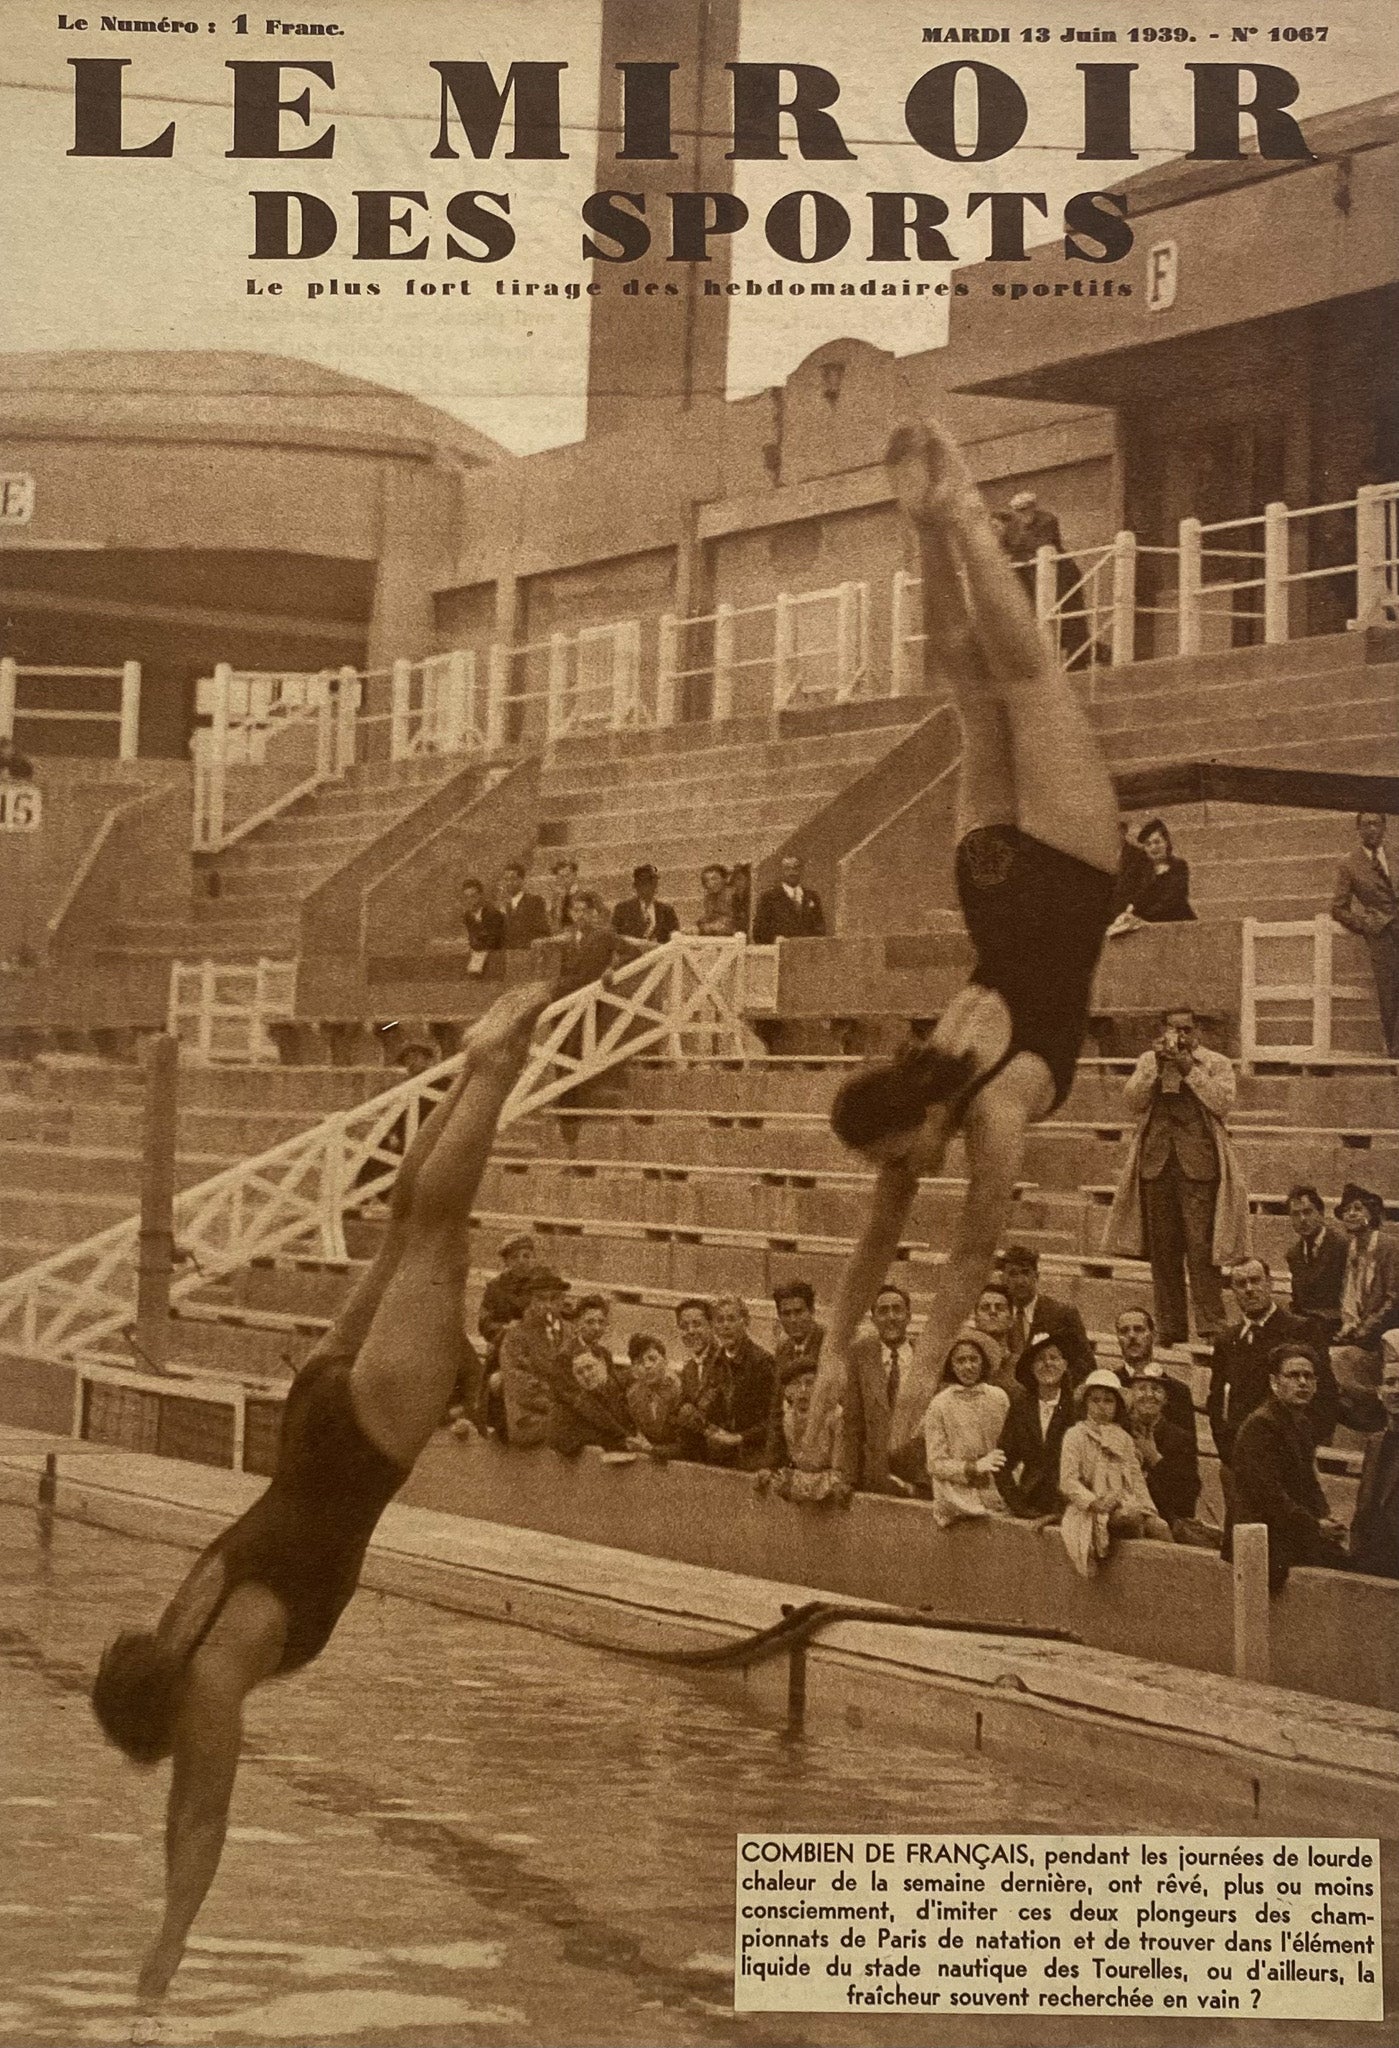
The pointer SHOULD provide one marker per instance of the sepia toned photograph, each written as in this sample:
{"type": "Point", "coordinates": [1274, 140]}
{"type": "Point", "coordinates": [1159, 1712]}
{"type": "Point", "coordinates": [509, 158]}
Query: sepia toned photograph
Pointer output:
{"type": "Point", "coordinates": [699, 1026]}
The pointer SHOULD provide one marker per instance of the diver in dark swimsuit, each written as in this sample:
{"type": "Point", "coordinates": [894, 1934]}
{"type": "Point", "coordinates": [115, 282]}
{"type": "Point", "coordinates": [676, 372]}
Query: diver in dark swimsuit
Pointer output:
{"type": "Point", "coordinates": [1036, 864]}
{"type": "Point", "coordinates": [265, 1595]}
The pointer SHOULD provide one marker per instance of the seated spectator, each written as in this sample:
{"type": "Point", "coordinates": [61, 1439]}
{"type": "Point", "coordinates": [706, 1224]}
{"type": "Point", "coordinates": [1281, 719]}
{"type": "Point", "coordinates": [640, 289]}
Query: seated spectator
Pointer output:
{"type": "Point", "coordinates": [642, 916]}
{"type": "Point", "coordinates": [802, 1336]}
{"type": "Point", "coordinates": [788, 910]}
{"type": "Point", "coordinates": [1032, 1312]}
{"type": "Point", "coordinates": [654, 1397]}
{"type": "Point", "coordinates": [1242, 1361]}
{"type": "Point", "coordinates": [962, 1431]}
{"type": "Point", "coordinates": [483, 924]}
{"type": "Point", "coordinates": [565, 873]}
{"type": "Point", "coordinates": [1136, 1343]}
{"type": "Point", "coordinates": [1374, 1532]}
{"type": "Point", "coordinates": [416, 1053]}
{"type": "Point", "coordinates": [589, 1404]}
{"type": "Point", "coordinates": [694, 1319]}
{"type": "Point", "coordinates": [730, 1394]}
{"type": "Point", "coordinates": [1316, 1259]}
{"type": "Point", "coordinates": [1274, 1473]}
{"type": "Point", "coordinates": [1161, 895]}
{"type": "Point", "coordinates": [1101, 1478]}
{"type": "Point", "coordinates": [1169, 1456]}
{"type": "Point", "coordinates": [877, 1366]}
{"type": "Point", "coordinates": [591, 1315]}
{"type": "Point", "coordinates": [1133, 872]}
{"type": "Point", "coordinates": [716, 914]}
{"type": "Point", "coordinates": [529, 1354]}
{"type": "Point", "coordinates": [1369, 1290]}
{"type": "Point", "coordinates": [1033, 1434]}
{"type": "Point", "coordinates": [827, 1474]}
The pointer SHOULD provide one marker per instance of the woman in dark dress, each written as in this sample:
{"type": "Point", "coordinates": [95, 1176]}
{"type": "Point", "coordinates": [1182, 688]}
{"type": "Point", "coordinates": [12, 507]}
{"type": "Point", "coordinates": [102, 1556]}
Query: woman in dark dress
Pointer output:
{"type": "Point", "coordinates": [1163, 895]}
{"type": "Point", "coordinates": [264, 1597]}
{"type": "Point", "coordinates": [1036, 866]}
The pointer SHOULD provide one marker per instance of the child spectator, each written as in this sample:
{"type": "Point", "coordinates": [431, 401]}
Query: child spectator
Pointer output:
{"type": "Point", "coordinates": [963, 1428]}
{"type": "Point", "coordinates": [653, 1397]}
{"type": "Point", "coordinates": [1101, 1478]}
{"type": "Point", "coordinates": [833, 1479]}
{"type": "Point", "coordinates": [588, 1404]}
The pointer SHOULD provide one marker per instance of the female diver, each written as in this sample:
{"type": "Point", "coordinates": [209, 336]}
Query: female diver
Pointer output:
{"type": "Point", "coordinates": [1036, 862]}
{"type": "Point", "coordinates": [264, 1597]}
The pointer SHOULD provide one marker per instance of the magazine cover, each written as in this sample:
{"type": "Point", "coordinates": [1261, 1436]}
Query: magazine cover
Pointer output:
{"type": "Point", "coordinates": [699, 1003]}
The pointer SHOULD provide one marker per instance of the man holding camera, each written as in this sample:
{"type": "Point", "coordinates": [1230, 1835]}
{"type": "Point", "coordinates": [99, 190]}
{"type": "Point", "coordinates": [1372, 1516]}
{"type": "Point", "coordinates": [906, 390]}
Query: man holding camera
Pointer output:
{"type": "Point", "coordinates": [1180, 1202]}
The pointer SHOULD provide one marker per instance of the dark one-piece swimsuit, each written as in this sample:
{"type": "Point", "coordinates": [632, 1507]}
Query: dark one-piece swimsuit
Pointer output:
{"type": "Point", "coordinates": [306, 1536]}
{"type": "Point", "coordinates": [1037, 918]}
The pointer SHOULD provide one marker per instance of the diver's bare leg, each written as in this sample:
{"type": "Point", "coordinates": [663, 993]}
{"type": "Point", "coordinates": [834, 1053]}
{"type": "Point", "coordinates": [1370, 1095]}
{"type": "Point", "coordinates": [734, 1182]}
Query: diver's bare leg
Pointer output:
{"type": "Point", "coordinates": [406, 1367]}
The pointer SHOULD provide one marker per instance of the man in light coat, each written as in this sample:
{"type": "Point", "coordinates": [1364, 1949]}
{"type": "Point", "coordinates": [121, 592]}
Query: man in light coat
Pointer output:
{"type": "Point", "coordinates": [1181, 1202]}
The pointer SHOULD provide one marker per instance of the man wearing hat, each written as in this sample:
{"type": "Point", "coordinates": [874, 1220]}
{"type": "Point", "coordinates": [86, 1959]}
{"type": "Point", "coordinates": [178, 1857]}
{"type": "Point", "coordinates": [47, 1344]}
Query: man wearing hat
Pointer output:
{"type": "Point", "coordinates": [1035, 1314]}
{"type": "Point", "coordinates": [499, 1303]}
{"type": "Point", "coordinates": [1369, 1290]}
{"type": "Point", "coordinates": [642, 915]}
{"type": "Point", "coordinates": [1169, 1457]}
{"type": "Point", "coordinates": [529, 1354]}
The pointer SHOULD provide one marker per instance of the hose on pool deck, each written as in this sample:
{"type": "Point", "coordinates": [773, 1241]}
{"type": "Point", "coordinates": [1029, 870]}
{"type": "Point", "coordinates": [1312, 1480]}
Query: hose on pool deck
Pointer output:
{"type": "Point", "coordinates": [799, 1625]}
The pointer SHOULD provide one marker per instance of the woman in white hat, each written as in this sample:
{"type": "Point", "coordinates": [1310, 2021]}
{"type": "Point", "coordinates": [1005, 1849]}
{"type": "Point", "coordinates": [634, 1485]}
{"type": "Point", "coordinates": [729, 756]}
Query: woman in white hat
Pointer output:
{"type": "Point", "coordinates": [963, 1431]}
{"type": "Point", "coordinates": [1101, 1477]}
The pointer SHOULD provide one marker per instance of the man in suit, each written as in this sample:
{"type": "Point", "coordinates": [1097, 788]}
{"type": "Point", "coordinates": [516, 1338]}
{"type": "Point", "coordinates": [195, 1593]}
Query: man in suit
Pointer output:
{"type": "Point", "coordinates": [526, 918]}
{"type": "Point", "coordinates": [1274, 1473]}
{"type": "Point", "coordinates": [1242, 1364]}
{"type": "Point", "coordinates": [483, 923]}
{"type": "Point", "coordinates": [728, 1391]}
{"type": "Point", "coordinates": [1369, 1289]}
{"type": "Point", "coordinates": [1136, 1344]}
{"type": "Point", "coordinates": [1365, 902]}
{"type": "Point", "coordinates": [1374, 1533]}
{"type": "Point", "coordinates": [1032, 1435]}
{"type": "Point", "coordinates": [642, 915]}
{"type": "Point", "coordinates": [789, 910]}
{"type": "Point", "coordinates": [1033, 1313]}
{"type": "Point", "coordinates": [877, 1365]}
{"type": "Point", "coordinates": [1316, 1260]}
{"type": "Point", "coordinates": [1174, 1177]}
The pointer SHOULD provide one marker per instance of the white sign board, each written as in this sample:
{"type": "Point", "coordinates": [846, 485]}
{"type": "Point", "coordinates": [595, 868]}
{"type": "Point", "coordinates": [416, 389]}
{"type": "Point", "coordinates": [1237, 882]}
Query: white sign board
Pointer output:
{"type": "Point", "coordinates": [16, 498]}
{"type": "Point", "coordinates": [1162, 269]}
{"type": "Point", "coordinates": [21, 806]}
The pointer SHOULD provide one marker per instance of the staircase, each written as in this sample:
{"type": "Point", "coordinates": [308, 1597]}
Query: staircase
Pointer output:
{"type": "Point", "coordinates": [246, 900]}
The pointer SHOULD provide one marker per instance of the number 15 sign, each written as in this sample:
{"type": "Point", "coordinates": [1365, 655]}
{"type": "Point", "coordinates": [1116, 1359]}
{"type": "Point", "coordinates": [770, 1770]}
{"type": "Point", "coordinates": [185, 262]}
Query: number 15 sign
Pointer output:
{"type": "Point", "coordinates": [21, 807]}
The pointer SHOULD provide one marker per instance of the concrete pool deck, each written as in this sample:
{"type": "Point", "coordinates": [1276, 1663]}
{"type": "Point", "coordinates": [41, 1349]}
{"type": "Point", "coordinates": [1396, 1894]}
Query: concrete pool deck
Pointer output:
{"type": "Point", "coordinates": [1269, 1759]}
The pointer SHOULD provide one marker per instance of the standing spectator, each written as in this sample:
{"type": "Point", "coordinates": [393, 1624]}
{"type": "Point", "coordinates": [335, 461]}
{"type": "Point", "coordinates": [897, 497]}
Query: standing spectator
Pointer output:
{"type": "Point", "coordinates": [1374, 1533]}
{"type": "Point", "coordinates": [716, 913]}
{"type": "Point", "coordinates": [1242, 1365]}
{"type": "Point", "coordinates": [789, 910]}
{"type": "Point", "coordinates": [1169, 1457]}
{"type": "Point", "coordinates": [1101, 1478]}
{"type": "Point", "coordinates": [877, 1365]}
{"type": "Point", "coordinates": [529, 1354]}
{"type": "Point", "coordinates": [1136, 1342]}
{"type": "Point", "coordinates": [499, 1297]}
{"type": "Point", "coordinates": [565, 873]}
{"type": "Point", "coordinates": [653, 1396]}
{"type": "Point", "coordinates": [962, 1432]}
{"type": "Point", "coordinates": [1033, 1313]}
{"type": "Point", "coordinates": [1162, 895]}
{"type": "Point", "coordinates": [741, 895]}
{"type": "Point", "coordinates": [1181, 1200]}
{"type": "Point", "coordinates": [1033, 1436]}
{"type": "Point", "coordinates": [526, 918]}
{"type": "Point", "coordinates": [1369, 1289]}
{"type": "Point", "coordinates": [1365, 902]}
{"type": "Point", "coordinates": [1027, 527]}
{"type": "Point", "coordinates": [586, 951]}
{"type": "Point", "coordinates": [1316, 1260]}
{"type": "Point", "coordinates": [483, 924]}
{"type": "Point", "coordinates": [730, 1393]}
{"type": "Point", "coordinates": [1274, 1472]}
{"type": "Point", "coordinates": [642, 915]}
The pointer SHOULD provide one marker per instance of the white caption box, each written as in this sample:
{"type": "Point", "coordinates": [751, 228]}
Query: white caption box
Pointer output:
{"type": "Point", "coordinates": [1207, 1926]}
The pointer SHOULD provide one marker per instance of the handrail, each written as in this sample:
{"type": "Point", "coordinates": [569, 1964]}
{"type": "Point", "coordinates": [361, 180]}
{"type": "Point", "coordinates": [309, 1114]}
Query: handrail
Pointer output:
{"type": "Point", "coordinates": [299, 1192]}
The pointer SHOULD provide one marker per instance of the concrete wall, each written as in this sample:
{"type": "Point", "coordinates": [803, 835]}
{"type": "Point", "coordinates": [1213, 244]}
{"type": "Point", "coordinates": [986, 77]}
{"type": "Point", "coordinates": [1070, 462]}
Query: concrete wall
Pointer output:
{"type": "Point", "coordinates": [1330, 1634]}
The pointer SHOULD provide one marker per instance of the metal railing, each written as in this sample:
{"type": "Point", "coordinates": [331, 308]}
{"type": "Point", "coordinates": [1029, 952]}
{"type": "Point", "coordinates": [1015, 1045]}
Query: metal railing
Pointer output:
{"type": "Point", "coordinates": [811, 647]}
{"type": "Point", "coordinates": [126, 716]}
{"type": "Point", "coordinates": [299, 1192]}
{"type": "Point", "coordinates": [219, 1013]}
{"type": "Point", "coordinates": [279, 731]}
{"type": "Point", "coordinates": [1287, 1009]}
